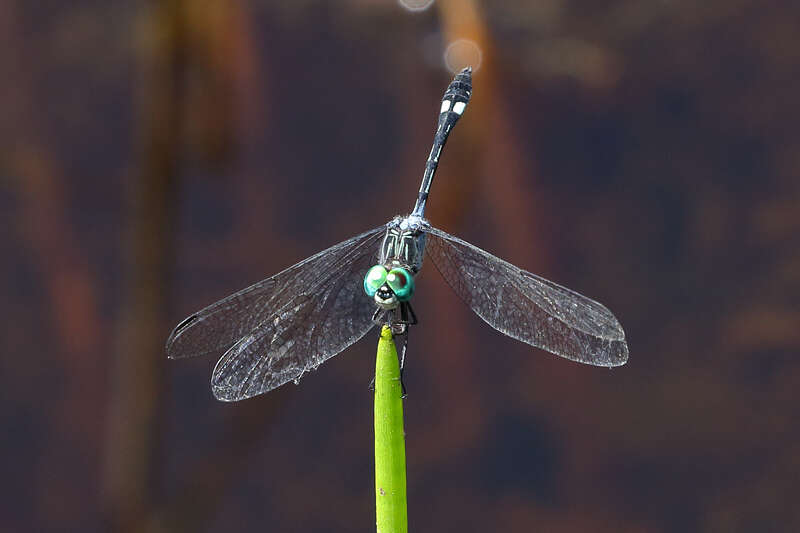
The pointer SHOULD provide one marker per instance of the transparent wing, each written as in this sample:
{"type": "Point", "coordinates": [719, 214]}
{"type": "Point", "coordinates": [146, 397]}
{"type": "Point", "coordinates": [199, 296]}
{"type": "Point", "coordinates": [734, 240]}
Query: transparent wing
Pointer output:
{"type": "Point", "coordinates": [275, 330]}
{"type": "Point", "coordinates": [526, 307]}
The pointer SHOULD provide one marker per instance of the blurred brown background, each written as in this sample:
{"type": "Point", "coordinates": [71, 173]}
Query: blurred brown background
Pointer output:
{"type": "Point", "coordinates": [157, 156]}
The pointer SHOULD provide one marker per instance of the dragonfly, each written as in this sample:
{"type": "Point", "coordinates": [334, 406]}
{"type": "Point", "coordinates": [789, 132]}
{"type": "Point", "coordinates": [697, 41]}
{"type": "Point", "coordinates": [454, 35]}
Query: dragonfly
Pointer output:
{"type": "Point", "coordinates": [278, 329]}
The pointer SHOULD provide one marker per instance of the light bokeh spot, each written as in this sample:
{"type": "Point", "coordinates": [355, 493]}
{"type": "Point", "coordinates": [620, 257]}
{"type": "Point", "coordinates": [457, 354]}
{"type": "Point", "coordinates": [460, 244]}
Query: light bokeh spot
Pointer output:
{"type": "Point", "coordinates": [462, 53]}
{"type": "Point", "coordinates": [415, 5]}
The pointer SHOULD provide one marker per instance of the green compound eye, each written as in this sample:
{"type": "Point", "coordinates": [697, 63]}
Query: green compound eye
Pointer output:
{"type": "Point", "coordinates": [401, 283]}
{"type": "Point", "coordinates": [376, 276]}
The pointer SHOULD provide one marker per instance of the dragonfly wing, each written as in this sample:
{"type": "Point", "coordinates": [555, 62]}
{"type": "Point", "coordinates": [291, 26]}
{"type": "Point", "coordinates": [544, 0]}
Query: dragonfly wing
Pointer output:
{"type": "Point", "coordinates": [292, 321]}
{"type": "Point", "coordinates": [314, 326]}
{"type": "Point", "coordinates": [527, 307]}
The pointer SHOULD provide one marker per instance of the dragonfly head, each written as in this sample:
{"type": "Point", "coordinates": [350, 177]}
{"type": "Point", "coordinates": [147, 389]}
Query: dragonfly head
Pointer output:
{"type": "Point", "coordinates": [389, 287]}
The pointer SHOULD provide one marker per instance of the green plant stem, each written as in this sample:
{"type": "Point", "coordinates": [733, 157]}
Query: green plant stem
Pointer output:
{"type": "Point", "coordinates": [390, 446]}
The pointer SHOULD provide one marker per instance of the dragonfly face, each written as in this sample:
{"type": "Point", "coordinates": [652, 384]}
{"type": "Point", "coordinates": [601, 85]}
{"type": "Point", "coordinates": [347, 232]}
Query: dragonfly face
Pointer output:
{"type": "Point", "coordinates": [389, 287]}
{"type": "Point", "coordinates": [391, 282]}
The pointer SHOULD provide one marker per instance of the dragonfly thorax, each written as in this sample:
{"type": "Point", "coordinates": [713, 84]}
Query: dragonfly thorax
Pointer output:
{"type": "Point", "coordinates": [404, 243]}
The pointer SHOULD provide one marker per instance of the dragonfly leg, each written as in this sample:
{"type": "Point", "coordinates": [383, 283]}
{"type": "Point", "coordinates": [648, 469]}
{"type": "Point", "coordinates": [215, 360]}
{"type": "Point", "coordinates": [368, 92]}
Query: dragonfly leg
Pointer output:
{"type": "Point", "coordinates": [377, 316]}
{"type": "Point", "coordinates": [398, 325]}
{"type": "Point", "coordinates": [403, 364]}
{"type": "Point", "coordinates": [399, 320]}
{"type": "Point", "coordinates": [407, 318]}
{"type": "Point", "coordinates": [371, 386]}
{"type": "Point", "coordinates": [413, 321]}
{"type": "Point", "coordinates": [399, 328]}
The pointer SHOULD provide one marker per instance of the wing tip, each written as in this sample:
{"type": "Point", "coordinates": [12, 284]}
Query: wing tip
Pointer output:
{"type": "Point", "coordinates": [226, 394]}
{"type": "Point", "coordinates": [619, 357]}
{"type": "Point", "coordinates": [169, 346]}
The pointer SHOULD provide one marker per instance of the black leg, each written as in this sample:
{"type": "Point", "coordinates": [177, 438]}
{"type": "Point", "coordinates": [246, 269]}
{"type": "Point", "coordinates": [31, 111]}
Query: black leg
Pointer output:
{"type": "Point", "coordinates": [404, 312]}
{"type": "Point", "coordinates": [398, 320]}
{"type": "Point", "coordinates": [413, 321]}
{"type": "Point", "coordinates": [403, 363]}
{"type": "Point", "coordinates": [407, 315]}
{"type": "Point", "coordinates": [402, 358]}
{"type": "Point", "coordinates": [403, 351]}
{"type": "Point", "coordinates": [378, 315]}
